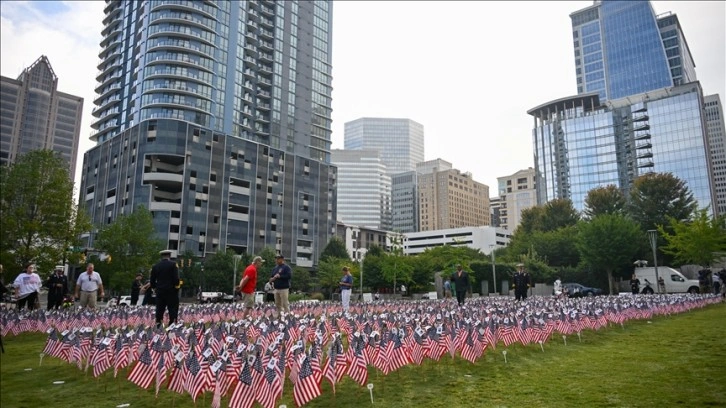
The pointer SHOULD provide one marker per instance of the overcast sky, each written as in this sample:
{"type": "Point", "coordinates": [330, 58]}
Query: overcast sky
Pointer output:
{"type": "Point", "coordinates": [468, 71]}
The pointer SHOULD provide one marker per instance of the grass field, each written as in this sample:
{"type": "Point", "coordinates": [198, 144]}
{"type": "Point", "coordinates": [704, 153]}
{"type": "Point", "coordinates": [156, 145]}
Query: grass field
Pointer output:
{"type": "Point", "coordinates": [666, 362]}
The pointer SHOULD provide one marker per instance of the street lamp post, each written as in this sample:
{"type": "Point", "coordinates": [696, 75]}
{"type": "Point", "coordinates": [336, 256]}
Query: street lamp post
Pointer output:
{"type": "Point", "coordinates": [653, 236]}
{"type": "Point", "coordinates": [494, 270]}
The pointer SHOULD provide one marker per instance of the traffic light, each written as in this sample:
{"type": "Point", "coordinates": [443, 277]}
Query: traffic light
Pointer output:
{"type": "Point", "coordinates": [189, 262]}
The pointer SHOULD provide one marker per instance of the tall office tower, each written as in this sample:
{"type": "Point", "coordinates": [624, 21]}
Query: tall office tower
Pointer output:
{"type": "Point", "coordinates": [517, 192]}
{"type": "Point", "coordinates": [404, 202]}
{"type": "Point", "coordinates": [216, 115]}
{"type": "Point", "coordinates": [364, 188]}
{"type": "Point", "coordinates": [495, 205]}
{"type": "Point", "coordinates": [400, 141]}
{"type": "Point", "coordinates": [622, 48]}
{"type": "Point", "coordinates": [717, 144]}
{"type": "Point", "coordinates": [580, 144]}
{"type": "Point", "coordinates": [34, 115]}
{"type": "Point", "coordinates": [450, 199]}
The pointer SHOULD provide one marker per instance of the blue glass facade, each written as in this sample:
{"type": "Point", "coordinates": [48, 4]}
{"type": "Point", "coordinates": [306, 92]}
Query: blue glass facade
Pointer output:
{"type": "Point", "coordinates": [623, 49]}
{"type": "Point", "coordinates": [580, 144]}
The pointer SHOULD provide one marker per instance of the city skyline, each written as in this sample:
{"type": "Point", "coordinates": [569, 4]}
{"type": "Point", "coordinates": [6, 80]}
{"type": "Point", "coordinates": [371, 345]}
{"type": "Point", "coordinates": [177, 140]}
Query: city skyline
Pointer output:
{"type": "Point", "coordinates": [423, 69]}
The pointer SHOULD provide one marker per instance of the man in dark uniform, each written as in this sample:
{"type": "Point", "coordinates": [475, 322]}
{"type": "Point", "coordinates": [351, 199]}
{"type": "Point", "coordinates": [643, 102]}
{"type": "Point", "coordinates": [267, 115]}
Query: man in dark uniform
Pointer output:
{"type": "Point", "coordinates": [460, 278]}
{"type": "Point", "coordinates": [522, 283]}
{"type": "Point", "coordinates": [57, 285]}
{"type": "Point", "coordinates": [165, 281]}
{"type": "Point", "coordinates": [136, 288]}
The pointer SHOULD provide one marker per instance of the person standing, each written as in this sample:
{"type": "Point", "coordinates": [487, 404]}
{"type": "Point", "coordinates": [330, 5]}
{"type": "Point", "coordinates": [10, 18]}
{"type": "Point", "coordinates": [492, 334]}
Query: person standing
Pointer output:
{"type": "Point", "coordinates": [136, 288]}
{"type": "Point", "coordinates": [522, 283]}
{"type": "Point", "coordinates": [716, 279]}
{"type": "Point", "coordinates": [165, 282]}
{"type": "Point", "coordinates": [558, 288]}
{"type": "Point", "coordinates": [346, 286]}
{"type": "Point", "coordinates": [634, 285]}
{"type": "Point", "coordinates": [57, 286]}
{"type": "Point", "coordinates": [460, 278]}
{"type": "Point", "coordinates": [248, 284]}
{"type": "Point", "coordinates": [89, 284]}
{"type": "Point", "coordinates": [269, 292]}
{"type": "Point", "coordinates": [447, 288]}
{"type": "Point", "coordinates": [281, 275]}
{"type": "Point", "coordinates": [27, 285]}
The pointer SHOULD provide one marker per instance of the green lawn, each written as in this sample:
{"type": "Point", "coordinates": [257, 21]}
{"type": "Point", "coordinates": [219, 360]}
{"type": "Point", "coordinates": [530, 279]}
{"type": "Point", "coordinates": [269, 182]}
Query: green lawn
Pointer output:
{"type": "Point", "coordinates": [670, 361]}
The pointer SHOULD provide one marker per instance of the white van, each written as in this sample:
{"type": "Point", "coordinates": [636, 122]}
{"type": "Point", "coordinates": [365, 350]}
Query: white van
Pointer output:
{"type": "Point", "coordinates": [674, 281]}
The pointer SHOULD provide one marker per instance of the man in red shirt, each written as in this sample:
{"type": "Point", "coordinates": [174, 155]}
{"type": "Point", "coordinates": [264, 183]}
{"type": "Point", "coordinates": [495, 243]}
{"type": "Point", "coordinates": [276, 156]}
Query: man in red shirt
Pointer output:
{"type": "Point", "coordinates": [248, 284]}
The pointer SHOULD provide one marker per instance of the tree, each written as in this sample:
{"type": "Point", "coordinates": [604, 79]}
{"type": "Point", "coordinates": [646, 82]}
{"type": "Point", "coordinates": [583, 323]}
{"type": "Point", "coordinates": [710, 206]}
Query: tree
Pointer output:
{"type": "Point", "coordinates": [330, 273]}
{"type": "Point", "coordinates": [559, 213]}
{"type": "Point", "coordinates": [217, 274]}
{"type": "Point", "coordinates": [557, 247]}
{"type": "Point", "coordinates": [38, 218]}
{"type": "Point", "coordinates": [608, 242]}
{"type": "Point", "coordinates": [656, 197]}
{"type": "Point", "coordinates": [604, 200]}
{"type": "Point", "coordinates": [131, 242]}
{"type": "Point", "coordinates": [336, 249]}
{"type": "Point", "coordinates": [700, 241]}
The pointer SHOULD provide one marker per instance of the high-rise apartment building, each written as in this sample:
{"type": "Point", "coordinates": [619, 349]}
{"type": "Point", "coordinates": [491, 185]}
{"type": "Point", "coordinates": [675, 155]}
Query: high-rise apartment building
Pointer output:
{"type": "Point", "coordinates": [717, 144]}
{"type": "Point", "coordinates": [364, 188]}
{"type": "Point", "coordinates": [580, 144]}
{"type": "Point", "coordinates": [622, 48]}
{"type": "Point", "coordinates": [400, 141]}
{"type": "Point", "coordinates": [35, 115]}
{"type": "Point", "coordinates": [449, 198]}
{"type": "Point", "coordinates": [216, 116]}
{"type": "Point", "coordinates": [517, 192]}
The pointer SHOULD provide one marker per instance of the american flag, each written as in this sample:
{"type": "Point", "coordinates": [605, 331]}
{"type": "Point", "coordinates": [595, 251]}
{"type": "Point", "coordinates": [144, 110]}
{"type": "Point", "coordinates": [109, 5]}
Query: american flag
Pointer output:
{"type": "Point", "coordinates": [160, 374]}
{"type": "Point", "coordinates": [178, 376]}
{"type": "Point", "coordinates": [195, 378]}
{"type": "Point", "coordinates": [358, 370]}
{"type": "Point", "coordinates": [143, 372]}
{"type": "Point", "coordinates": [244, 393]}
{"type": "Point", "coordinates": [101, 360]}
{"type": "Point", "coordinates": [52, 345]}
{"type": "Point", "coordinates": [468, 351]}
{"type": "Point", "coordinates": [306, 387]}
{"type": "Point", "coordinates": [271, 387]}
{"type": "Point", "coordinates": [218, 378]}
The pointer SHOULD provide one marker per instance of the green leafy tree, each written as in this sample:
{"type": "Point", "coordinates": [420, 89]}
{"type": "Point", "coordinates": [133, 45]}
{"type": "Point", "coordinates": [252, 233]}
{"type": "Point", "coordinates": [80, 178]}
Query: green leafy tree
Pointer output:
{"type": "Point", "coordinates": [218, 272]}
{"type": "Point", "coordinates": [656, 197]}
{"type": "Point", "coordinates": [700, 241]}
{"type": "Point", "coordinates": [531, 219]}
{"type": "Point", "coordinates": [38, 218]}
{"type": "Point", "coordinates": [559, 213]}
{"type": "Point", "coordinates": [557, 247]}
{"type": "Point", "coordinates": [302, 280]}
{"type": "Point", "coordinates": [131, 242]}
{"type": "Point", "coordinates": [604, 200]}
{"type": "Point", "coordinates": [609, 242]}
{"type": "Point", "coordinates": [397, 270]}
{"type": "Point", "coordinates": [330, 272]}
{"type": "Point", "coordinates": [336, 249]}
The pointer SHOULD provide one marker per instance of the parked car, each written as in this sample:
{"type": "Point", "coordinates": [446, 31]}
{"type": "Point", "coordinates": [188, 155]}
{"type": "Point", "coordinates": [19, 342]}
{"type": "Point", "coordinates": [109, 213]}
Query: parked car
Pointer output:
{"type": "Point", "coordinates": [577, 290]}
{"type": "Point", "coordinates": [215, 297]}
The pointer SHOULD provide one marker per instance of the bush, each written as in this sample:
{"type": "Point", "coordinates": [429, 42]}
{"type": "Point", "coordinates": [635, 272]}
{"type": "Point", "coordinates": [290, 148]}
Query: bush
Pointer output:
{"type": "Point", "coordinates": [317, 296]}
{"type": "Point", "coordinates": [294, 297]}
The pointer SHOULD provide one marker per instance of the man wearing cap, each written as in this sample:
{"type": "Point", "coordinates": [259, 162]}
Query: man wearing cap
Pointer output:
{"type": "Point", "coordinates": [248, 284]}
{"type": "Point", "coordinates": [90, 285]}
{"type": "Point", "coordinates": [165, 281]}
{"type": "Point", "coordinates": [522, 282]}
{"type": "Point", "coordinates": [57, 286]}
{"type": "Point", "coordinates": [346, 285]}
{"type": "Point", "coordinates": [460, 278]}
{"type": "Point", "coordinates": [281, 275]}
{"type": "Point", "coordinates": [136, 288]}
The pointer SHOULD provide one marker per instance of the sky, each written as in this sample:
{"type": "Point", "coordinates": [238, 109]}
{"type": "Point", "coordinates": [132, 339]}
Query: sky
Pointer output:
{"type": "Point", "coordinates": [467, 71]}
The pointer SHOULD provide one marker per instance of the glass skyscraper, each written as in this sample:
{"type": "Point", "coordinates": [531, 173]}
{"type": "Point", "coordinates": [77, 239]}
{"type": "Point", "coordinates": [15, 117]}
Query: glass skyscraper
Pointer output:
{"type": "Point", "coordinates": [622, 48]}
{"type": "Point", "coordinates": [400, 141]}
{"type": "Point", "coordinates": [216, 116]}
{"type": "Point", "coordinates": [581, 144]}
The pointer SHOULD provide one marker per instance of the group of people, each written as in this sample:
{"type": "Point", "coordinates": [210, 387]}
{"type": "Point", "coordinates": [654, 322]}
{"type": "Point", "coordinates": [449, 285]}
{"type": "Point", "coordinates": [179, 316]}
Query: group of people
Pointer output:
{"type": "Point", "coordinates": [278, 283]}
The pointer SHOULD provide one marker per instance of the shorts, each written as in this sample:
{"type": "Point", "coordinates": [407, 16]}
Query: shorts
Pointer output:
{"type": "Point", "coordinates": [248, 299]}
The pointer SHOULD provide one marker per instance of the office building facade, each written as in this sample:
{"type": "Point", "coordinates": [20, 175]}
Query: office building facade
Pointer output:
{"type": "Point", "coordinates": [448, 198]}
{"type": "Point", "coordinates": [400, 141]}
{"type": "Point", "coordinates": [35, 115]}
{"type": "Point", "coordinates": [484, 238]}
{"type": "Point", "coordinates": [364, 188]}
{"type": "Point", "coordinates": [216, 116]}
{"type": "Point", "coordinates": [717, 144]}
{"type": "Point", "coordinates": [581, 144]}
{"type": "Point", "coordinates": [517, 192]}
{"type": "Point", "coordinates": [404, 202]}
{"type": "Point", "coordinates": [623, 48]}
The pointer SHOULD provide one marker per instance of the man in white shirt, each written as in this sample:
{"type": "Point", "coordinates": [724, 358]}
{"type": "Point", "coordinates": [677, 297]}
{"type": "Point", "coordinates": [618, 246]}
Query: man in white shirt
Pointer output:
{"type": "Point", "coordinates": [90, 285]}
{"type": "Point", "coordinates": [27, 285]}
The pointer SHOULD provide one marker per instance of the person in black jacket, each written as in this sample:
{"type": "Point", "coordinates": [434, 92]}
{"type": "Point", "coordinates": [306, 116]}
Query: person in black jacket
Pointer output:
{"type": "Point", "coordinates": [281, 275]}
{"type": "Point", "coordinates": [57, 285]}
{"type": "Point", "coordinates": [136, 288]}
{"type": "Point", "coordinates": [165, 281]}
{"type": "Point", "coordinates": [522, 282]}
{"type": "Point", "coordinates": [461, 283]}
